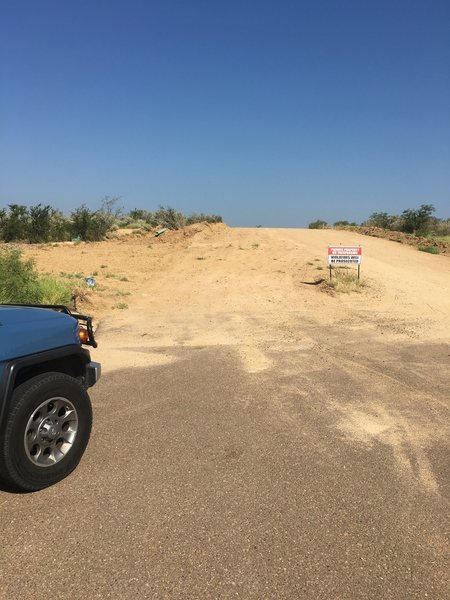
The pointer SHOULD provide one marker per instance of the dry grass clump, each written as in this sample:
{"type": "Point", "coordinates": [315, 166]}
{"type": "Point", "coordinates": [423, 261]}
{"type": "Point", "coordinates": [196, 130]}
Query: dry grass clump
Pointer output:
{"type": "Point", "coordinates": [344, 281]}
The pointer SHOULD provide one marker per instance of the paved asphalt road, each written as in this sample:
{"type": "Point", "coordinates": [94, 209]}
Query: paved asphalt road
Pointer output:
{"type": "Point", "coordinates": [205, 481]}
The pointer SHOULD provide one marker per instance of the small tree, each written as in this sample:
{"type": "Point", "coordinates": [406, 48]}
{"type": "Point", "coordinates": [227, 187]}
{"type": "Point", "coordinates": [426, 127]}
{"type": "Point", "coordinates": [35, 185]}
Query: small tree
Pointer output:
{"type": "Point", "coordinates": [81, 222]}
{"type": "Point", "coordinates": [93, 226]}
{"type": "Point", "coordinates": [39, 226]}
{"type": "Point", "coordinates": [15, 223]}
{"type": "Point", "coordinates": [416, 221]}
{"type": "Point", "coordinates": [379, 219]}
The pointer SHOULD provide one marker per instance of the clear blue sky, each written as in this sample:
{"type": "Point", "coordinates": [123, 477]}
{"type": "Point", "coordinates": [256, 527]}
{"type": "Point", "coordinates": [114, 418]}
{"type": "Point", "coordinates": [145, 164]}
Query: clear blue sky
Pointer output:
{"type": "Point", "coordinates": [268, 113]}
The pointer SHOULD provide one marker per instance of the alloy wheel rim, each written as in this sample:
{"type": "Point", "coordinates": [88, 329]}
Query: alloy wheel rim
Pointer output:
{"type": "Point", "coordinates": [51, 431]}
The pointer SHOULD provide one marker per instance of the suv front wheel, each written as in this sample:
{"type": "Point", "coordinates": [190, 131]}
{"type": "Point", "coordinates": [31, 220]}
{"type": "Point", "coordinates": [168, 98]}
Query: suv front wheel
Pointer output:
{"type": "Point", "coordinates": [46, 431]}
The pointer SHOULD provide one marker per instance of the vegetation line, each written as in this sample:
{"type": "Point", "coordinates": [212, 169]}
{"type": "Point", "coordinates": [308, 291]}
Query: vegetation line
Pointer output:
{"type": "Point", "coordinates": [418, 221]}
{"type": "Point", "coordinates": [43, 224]}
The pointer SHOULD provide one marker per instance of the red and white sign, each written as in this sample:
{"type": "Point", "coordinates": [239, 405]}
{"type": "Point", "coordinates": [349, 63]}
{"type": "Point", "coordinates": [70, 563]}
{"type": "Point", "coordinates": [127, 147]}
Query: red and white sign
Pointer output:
{"type": "Point", "coordinates": [344, 255]}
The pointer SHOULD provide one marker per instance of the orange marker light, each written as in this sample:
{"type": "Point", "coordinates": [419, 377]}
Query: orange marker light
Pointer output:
{"type": "Point", "coordinates": [83, 335]}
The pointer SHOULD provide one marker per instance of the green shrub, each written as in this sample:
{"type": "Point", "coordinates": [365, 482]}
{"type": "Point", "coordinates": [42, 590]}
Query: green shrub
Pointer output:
{"type": "Point", "coordinates": [440, 228]}
{"type": "Point", "coordinates": [439, 238]}
{"type": "Point", "coordinates": [59, 227]}
{"type": "Point", "coordinates": [138, 214]}
{"type": "Point", "coordinates": [18, 279]}
{"type": "Point", "coordinates": [92, 226]}
{"type": "Point", "coordinates": [319, 224]}
{"type": "Point", "coordinates": [42, 223]}
{"type": "Point", "coordinates": [379, 219]}
{"type": "Point", "coordinates": [128, 223]}
{"type": "Point", "coordinates": [417, 220]}
{"type": "Point", "coordinates": [429, 249]}
{"type": "Point", "coordinates": [14, 223]}
{"type": "Point", "coordinates": [54, 291]}
{"type": "Point", "coordinates": [21, 284]}
{"type": "Point", "coordinates": [81, 222]}
{"type": "Point", "coordinates": [345, 224]}
{"type": "Point", "coordinates": [203, 218]}
{"type": "Point", "coordinates": [168, 217]}
{"type": "Point", "coordinates": [39, 226]}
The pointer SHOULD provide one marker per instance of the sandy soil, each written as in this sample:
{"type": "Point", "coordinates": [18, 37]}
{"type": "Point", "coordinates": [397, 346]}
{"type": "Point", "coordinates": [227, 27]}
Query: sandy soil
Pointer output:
{"type": "Point", "coordinates": [214, 285]}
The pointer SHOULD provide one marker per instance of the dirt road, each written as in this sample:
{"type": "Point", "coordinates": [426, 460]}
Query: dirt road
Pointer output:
{"type": "Point", "coordinates": [255, 436]}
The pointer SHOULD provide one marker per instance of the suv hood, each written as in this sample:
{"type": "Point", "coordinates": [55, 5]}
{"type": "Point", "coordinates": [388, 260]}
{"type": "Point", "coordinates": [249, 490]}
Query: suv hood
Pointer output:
{"type": "Point", "coordinates": [12, 315]}
{"type": "Point", "coordinates": [26, 330]}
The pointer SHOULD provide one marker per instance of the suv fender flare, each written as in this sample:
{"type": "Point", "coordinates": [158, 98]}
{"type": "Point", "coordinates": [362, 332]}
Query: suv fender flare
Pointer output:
{"type": "Point", "coordinates": [13, 367]}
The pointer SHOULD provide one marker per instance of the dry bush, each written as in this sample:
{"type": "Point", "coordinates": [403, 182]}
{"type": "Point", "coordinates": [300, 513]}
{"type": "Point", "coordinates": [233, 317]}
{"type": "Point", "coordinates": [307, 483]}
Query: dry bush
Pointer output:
{"type": "Point", "coordinates": [343, 281]}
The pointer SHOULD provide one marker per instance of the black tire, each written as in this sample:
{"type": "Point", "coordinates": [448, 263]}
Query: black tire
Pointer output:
{"type": "Point", "coordinates": [19, 468]}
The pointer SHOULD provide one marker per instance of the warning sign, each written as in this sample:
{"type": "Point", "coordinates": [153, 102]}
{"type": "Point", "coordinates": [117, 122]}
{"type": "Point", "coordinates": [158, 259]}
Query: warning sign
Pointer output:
{"type": "Point", "coordinates": [344, 255]}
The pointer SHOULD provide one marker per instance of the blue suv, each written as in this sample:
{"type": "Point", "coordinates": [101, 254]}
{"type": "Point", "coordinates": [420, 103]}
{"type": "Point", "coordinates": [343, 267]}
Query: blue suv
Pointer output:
{"type": "Point", "coordinates": [45, 410]}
